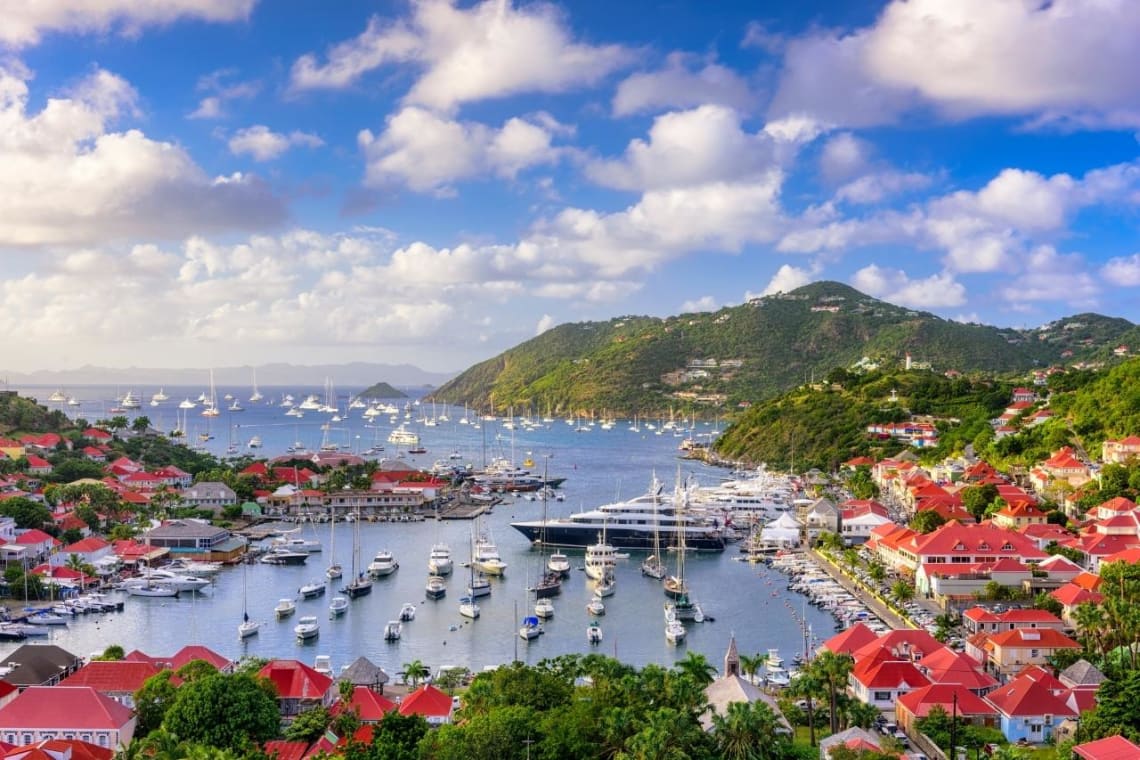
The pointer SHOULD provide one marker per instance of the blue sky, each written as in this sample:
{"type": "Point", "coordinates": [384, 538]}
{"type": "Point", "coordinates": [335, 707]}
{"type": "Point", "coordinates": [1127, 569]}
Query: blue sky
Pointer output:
{"type": "Point", "coordinates": [213, 182]}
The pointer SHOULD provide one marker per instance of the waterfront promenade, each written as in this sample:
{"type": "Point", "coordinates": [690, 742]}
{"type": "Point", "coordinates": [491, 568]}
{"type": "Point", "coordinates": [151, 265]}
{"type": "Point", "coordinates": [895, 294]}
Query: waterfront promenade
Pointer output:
{"type": "Point", "coordinates": [872, 602]}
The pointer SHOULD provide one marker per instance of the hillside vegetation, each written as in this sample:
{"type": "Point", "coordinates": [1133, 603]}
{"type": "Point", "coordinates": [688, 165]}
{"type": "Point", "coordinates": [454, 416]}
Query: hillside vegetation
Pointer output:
{"type": "Point", "coordinates": [755, 351]}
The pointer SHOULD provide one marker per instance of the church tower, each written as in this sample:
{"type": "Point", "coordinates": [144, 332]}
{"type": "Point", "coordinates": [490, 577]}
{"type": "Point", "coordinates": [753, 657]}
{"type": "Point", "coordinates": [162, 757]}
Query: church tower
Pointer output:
{"type": "Point", "coordinates": [731, 659]}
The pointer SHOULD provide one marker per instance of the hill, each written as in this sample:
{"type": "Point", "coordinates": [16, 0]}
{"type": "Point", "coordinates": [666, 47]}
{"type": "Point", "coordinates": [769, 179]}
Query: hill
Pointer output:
{"type": "Point", "coordinates": [755, 351]}
{"type": "Point", "coordinates": [381, 391]}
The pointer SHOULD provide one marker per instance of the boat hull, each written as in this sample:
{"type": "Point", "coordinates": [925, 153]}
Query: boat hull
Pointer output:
{"type": "Point", "coordinates": [617, 536]}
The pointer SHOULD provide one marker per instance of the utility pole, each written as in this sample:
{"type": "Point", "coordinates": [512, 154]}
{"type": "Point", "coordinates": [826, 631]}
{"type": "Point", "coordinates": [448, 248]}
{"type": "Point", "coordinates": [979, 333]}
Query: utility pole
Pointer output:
{"type": "Point", "coordinates": [954, 727]}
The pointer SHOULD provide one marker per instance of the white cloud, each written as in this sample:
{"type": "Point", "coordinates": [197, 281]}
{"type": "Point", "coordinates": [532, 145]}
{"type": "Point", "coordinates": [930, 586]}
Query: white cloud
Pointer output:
{"type": "Point", "coordinates": [221, 89]}
{"type": "Point", "coordinates": [704, 303]}
{"type": "Point", "coordinates": [208, 108]}
{"type": "Point", "coordinates": [262, 144]}
{"type": "Point", "coordinates": [1064, 61]}
{"type": "Point", "coordinates": [544, 324]}
{"type": "Point", "coordinates": [872, 188]}
{"type": "Point", "coordinates": [756, 35]}
{"type": "Point", "coordinates": [68, 179]}
{"type": "Point", "coordinates": [677, 86]}
{"type": "Point", "coordinates": [428, 152]}
{"type": "Point", "coordinates": [937, 291]}
{"type": "Point", "coordinates": [689, 147]}
{"type": "Point", "coordinates": [489, 50]}
{"type": "Point", "coordinates": [843, 156]}
{"type": "Point", "coordinates": [25, 21]}
{"type": "Point", "coordinates": [1051, 276]}
{"type": "Point", "coordinates": [1123, 271]}
{"type": "Point", "coordinates": [788, 278]}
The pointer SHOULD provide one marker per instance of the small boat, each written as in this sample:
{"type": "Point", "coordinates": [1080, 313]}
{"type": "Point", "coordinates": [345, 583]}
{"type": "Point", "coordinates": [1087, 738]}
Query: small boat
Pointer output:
{"type": "Point", "coordinates": [393, 630]}
{"type": "Point", "coordinates": [596, 607]}
{"type": "Point", "coordinates": [653, 567]}
{"type": "Point", "coordinates": [594, 632]}
{"type": "Point", "coordinates": [279, 556]}
{"type": "Point", "coordinates": [312, 590]}
{"type": "Point", "coordinates": [383, 564]}
{"type": "Point", "coordinates": [151, 589]}
{"type": "Point", "coordinates": [605, 587]}
{"type": "Point", "coordinates": [436, 587]}
{"type": "Point", "coordinates": [558, 563]}
{"type": "Point", "coordinates": [674, 631]}
{"type": "Point", "coordinates": [439, 561]}
{"type": "Point", "coordinates": [338, 606]}
{"type": "Point", "coordinates": [307, 627]}
{"type": "Point", "coordinates": [544, 608]}
{"type": "Point", "coordinates": [322, 663]}
{"type": "Point", "coordinates": [468, 607]}
{"type": "Point", "coordinates": [45, 618]}
{"type": "Point", "coordinates": [479, 586]}
{"type": "Point", "coordinates": [284, 608]}
{"type": "Point", "coordinates": [530, 629]}
{"type": "Point", "coordinates": [334, 571]}
{"type": "Point", "coordinates": [247, 627]}
{"type": "Point", "coordinates": [254, 442]}
{"type": "Point", "coordinates": [199, 568]}
{"type": "Point", "coordinates": [408, 612]}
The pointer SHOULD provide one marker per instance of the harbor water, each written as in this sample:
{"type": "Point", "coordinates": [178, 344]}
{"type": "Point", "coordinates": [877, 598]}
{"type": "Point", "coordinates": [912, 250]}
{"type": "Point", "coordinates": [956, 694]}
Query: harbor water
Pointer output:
{"type": "Point", "coordinates": [749, 601]}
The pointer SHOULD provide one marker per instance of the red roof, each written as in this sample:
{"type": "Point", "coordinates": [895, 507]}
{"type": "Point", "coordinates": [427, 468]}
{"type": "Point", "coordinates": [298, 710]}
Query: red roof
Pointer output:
{"type": "Point", "coordinates": [76, 707]}
{"type": "Point", "coordinates": [1071, 595]}
{"type": "Point", "coordinates": [1109, 748]}
{"type": "Point", "coordinates": [96, 434]}
{"type": "Point", "coordinates": [192, 652]}
{"type": "Point", "coordinates": [1117, 504]}
{"type": "Point", "coordinates": [1034, 638]}
{"type": "Point", "coordinates": [1025, 697]}
{"type": "Point", "coordinates": [296, 680]}
{"type": "Point", "coordinates": [955, 538]}
{"type": "Point", "coordinates": [86, 546]}
{"type": "Point", "coordinates": [891, 674]}
{"type": "Point", "coordinates": [946, 666]}
{"type": "Point", "coordinates": [112, 676]}
{"type": "Point", "coordinates": [850, 640]}
{"type": "Point", "coordinates": [427, 701]}
{"type": "Point", "coordinates": [369, 705]}
{"type": "Point", "coordinates": [57, 749]}
{"type": "Point", "coordinates": [35, 536]}
{"type": "Point", "coordinates": [904, 642]}
{"type": "Point", "coordinates": [920, 701]}
{"type": "Point", "coordinates": [1131, 556]}
{"type": "Point", "coordinates": [283, 750]}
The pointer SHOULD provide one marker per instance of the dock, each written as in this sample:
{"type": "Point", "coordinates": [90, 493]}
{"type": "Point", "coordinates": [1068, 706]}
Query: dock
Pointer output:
{"type": "Point", "coordinates": [459, 510]}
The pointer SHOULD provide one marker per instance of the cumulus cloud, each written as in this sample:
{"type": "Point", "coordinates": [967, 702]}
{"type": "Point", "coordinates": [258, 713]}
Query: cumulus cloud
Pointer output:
{"type": "Point", "coordinates": [220, 88]}
{"type": "Point", "coordinates": [25, 21]}
{"type": "Point", "coordinates": [428, 153]}
{"type": "Point", "coordinates": [1066, 61]}
{"type": "Point", "coordinates": [68, 178]}
{"type": "Point", "coordinates": [263, 144]}
{"type": "Point", "coordinates": [1052, 276]}
{"type": "Point", "coordinates": [936, 291]}
{"type": "Point", "coordinates": [544, 324]}
{"type": "Point", "coordinates": [690, 147]}
{"type": "Point", "coordinates": [704, 303]}
{"type": "Point", "coordinates": [489, 50]}
{"type": "Point", "coordinates": [1123, 271]}
{"type": "Point", "coordinates": [843, 156]}
{"type": "Point", "coordinates": [875, 187]}
{"type": "Point", "coordinates": [788, 278]}
{"type": "Point", "coordinates": [677, 85]}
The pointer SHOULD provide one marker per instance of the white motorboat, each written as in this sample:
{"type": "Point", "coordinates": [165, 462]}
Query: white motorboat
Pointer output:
{"type": "Point", "coordinates": [254, 442]}
{"type": "Point", "coordinates": [487, 557]}
{"type": "Point", "coordinates": [393, 630]}
{"type": "Point", "coordinates": [159, 397]}
{"type": "Point", "coordinates": [312, 590]}
{"type": "Point", "coordinates": [322, 663]}
{"type": "Point", "coordinates": [595, 606]}
{"type": "Point", "coordinates": [187, 404]}
{"type": "Point", "coordinates": [601, 558]}
{"type": "Point", "coordinates": [338, 606]}
{"type": "Point", "coordinates": [674, 631]}
{"type": "Point", "coordinates": [383, 564]}
{"type": "Point", "coordinates": [45, 618]}
{"type": "Point", "coordinates": [199, 568]}
{"type": "Point", "coordinates": [604, 587]}
{"type": "Point", "coordinates": [151, 589]}
{"type": "Point", "coordinates": [296, 543]}
{"type": "Point", "coordinates": [439, 561]}
{"type": "Point", "coordinates": [594, 633]}
{"type": "Point", "coordinates": [167, 578]}
{"type": "Point", "coordinates": [468, 608]}
{"type": "Point", "coordinates": [530, 629]}
{"type": "Point", "coordinates": [544, 608]}
{"type": "Point", "coordinates": [130, 401]}
{"type": "Point", "coordinates": [280, 556]}
{"type": "Point", "coordinates": [436, 587]}
{"type": "Point", "coordinates": [401, 436]}
{"type": "Point", "coordinates": [285, 608]}
{"type": "Point", "coordinates": [558, 563]}
{"type": "Point", "coordinates": [307, 627]}
{"type": "Point", "coordinates": [408, 612]}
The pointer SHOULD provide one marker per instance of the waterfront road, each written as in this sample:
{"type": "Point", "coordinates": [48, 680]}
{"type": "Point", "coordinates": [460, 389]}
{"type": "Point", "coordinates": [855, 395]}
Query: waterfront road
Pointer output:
{"type": "Point", "coordinates": [860, 593]}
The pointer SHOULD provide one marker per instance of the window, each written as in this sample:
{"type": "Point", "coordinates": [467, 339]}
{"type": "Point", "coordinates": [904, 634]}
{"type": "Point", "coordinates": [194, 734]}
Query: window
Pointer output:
{"type": "Point", "coordinates": [882, 696]}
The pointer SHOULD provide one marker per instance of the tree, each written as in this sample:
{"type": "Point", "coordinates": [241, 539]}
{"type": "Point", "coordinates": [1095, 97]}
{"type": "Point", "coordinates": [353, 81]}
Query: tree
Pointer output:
{"type": "Point", "coordinates": [902, 592]}
{"type": "Point", "coordinates": [861, 484]}
{"type": "Point", "coordinates": [27, 513]}
{"type": "Point", "coordinates": [414, 672]}
{"type": "Point", "coordinates": [750, 665]}
{"type": "Point", "coordinates": [152, 700]}
{"type": "Point", "coordinates": [927, 521]}
{"type": "Point", "coordinates": [397, 737]}
{"type": "Point", "coordinates": [832, 670]}
{"type": "Point", "coordinates": [309, 725]}
{"type": "Point", "coordinates": [977, 499]}
{"type": "Point", "coordinates": [876, 570]}
{"type": "Point", "coordinates": [224, 711]}
{"type": "Point", "coordinates": [1045, 601]}
{"type": "Point", "coordinates": [749, 731]}
{"type": "Point", "coordinates": [808, 687]}
{"type": "Point", "coordinates": [140, 424]}
{"type": "Point", "coordinates": [697, 667]}
{"type": "Point", "coordinates": [113, 652]}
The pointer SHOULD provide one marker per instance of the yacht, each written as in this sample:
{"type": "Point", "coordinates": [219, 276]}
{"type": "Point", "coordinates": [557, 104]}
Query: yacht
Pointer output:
{"type": "Point", "coordinates": [284, 608]}
{"type": "Point", "coordinates": [130, 401]}
{"type": "Point", "coordinates": [159, 397]}
{"type": "Point", "coordinates": [632, 524]}
{"type": "Point", "coordinates": [57, 396]}
{"type": "Point", "coordinates": [544, 608]}
{"type": "Point", "coordinates": [338, 606]}
{"type": "Point", "coordinates": [254, 442]}
{"type": "Point", "coordinates": [187, 404]}
{"type": "Point", "coordinates": [296, 543]}
{"type": "Point", "coordinates": [312, 590]}
{"type": "Point", "coordinates": [283, 556]}
{"type": "Point", "coordinates": [307, 627]}
{"type": "Point", "coordinates": [200, 568]}
{"type": "Point", "coordinates": [404, 437]}
{"type": "Point", "coordinates": [436, 587]}
{"type": "Point", "coordinates": [487, 557]}
{"type": "Point", "coordinates": [601, 558]}
{"type": "Point", "coordinates": [167, 578]}
{"type": "Point", "coordinates": [558, 563]}
{"type": "Point", "coordinates": [383, 564]}
{"type": "Point", "coordinates": [439, 561]}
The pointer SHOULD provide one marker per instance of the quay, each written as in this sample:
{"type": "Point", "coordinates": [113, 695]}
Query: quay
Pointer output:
{"type": "Point", "coordinates": [459, 510]}
{"type": "Point", "coordinates": [870, 601]}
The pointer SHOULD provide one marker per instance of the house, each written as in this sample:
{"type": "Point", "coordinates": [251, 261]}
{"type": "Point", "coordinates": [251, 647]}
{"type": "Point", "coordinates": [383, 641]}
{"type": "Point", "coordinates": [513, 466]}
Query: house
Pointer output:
{"type": "Point", "coordinates": [1010, 651]}
{"type": "Point", "coordinates": [91, 551]}
{"type": "Point", "coordinates": [1121, 451]}
{"type": "Point", "coordinates": [1082, 674]}
{"type": "Point", "coordinates": [118, 680]}
{"type": "Point", "coordinates": [209, 495]}
{"type": "Point", "coordinates": [953, 698]}
{"type": "Point", "coordinates": [194, 539]}
{"type": "Point", "coordinates": [185, 655]}
{"type": "Point", "coordinates": [822, 517]}
{"type": "Point", "coordinates": [299, 687]}
{"type": "Point", "coordinates": [66, 712]}
{"type": "Point", "coordinates": [880, 680]}
{"type": "Point", "coordinates": [1109, 748]}
{"type": "Point", "coordinates": [37, 465]}
{"type": "Point", "coordinates": [173, 477]}
{"type": "Point", "coordinates": [850, 640]}
{"type": "Point", "coordinates": [368, 706]}
{"type": "Point", "coordinates": [1063, 467]}
{"type": "Point", "coordinates": [362, 672]}
{"type": "Point", "coordinates": [980, 619]}
{"type": "Point", "coordinates": [1024, 396]}
{"type": "Point", "coordinates": [1017, 516]}
{"type": "Point", "coordinates": [59, 749]}
{"type": "Point", "coordinates": [429, 703]}
{"type": "Point", "coordinates": [732, 687]}
{"type": "Point", "coordinates": [1028, 709]}
{"type": "Point", "coordinates": [946, 666]}
{"type": "Point", "coordinates": [858, 518]}
{"type": "Point", "coordinates": [37, 544]}
{"type": "Point", "coordinates": [854, 738]}
{"type": "Point", "coordinates": [39, 665]}
{"type": "Point", "coordinates": [1071, 596]}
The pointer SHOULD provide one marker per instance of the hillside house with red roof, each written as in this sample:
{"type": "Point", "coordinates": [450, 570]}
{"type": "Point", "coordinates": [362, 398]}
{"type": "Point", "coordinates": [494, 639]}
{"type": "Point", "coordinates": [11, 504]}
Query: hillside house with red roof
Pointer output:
{"type": "Point", "coordinates": [42, 713]}
{"type": "Point", "coordinates": [429, 703]}
{"type": "Point", "coordinates": [880, 681]}
{"type": "Point", "coordinates": [118, 680]}
{"type": "Point", "coordinates": [11, 448]}
{"type": "Point", "coordinates": [1120, 451]}
{"type": "Point", "coordinates": [1109, 748]}
{"type": "Point", "coordinates": [58, 749]}
{"type": "Point", "coordinates": [94, 454]}
{"type": "Point", "coordinates": [174, 477]}
{"type": "Point", "coordinates": [37, 465]}
{"type": "Point", "coordinates": [299, 687]}
{"type": "Point", "coordinates": [1015, 516]}
{"type": "Point", "coordinates": [37, 544]}
{"type": "Point", "coordinates": [91, 550]}
{"type": "Point", "coordinates": [849, 640]}
{"type": "Point", "coordinates": [954, 699]}
{"type": "Point", "coordinates": [1024, 395]}
{"type": "Point", "coordinates": [1071, 596]}
{"type": "Point", "coordinates": [1063, 467]}
{"type": "Point", "coordinates": [981, 620]}
{"type": "Point", "coordinates": [98, 435]}
{"type": "Point", "coordinates": [1008, 652]}
{"type": "Point", "coordinates": [1028, 709]}
{"type": "Point", "coordinates": [946, 666]}
{"type": "Point", "coordinates": [369, 705]}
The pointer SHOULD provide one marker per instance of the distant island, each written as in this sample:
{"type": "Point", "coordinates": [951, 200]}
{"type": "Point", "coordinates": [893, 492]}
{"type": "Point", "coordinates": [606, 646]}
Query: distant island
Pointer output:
{"type": "Point", "coordinates": [382, 390]}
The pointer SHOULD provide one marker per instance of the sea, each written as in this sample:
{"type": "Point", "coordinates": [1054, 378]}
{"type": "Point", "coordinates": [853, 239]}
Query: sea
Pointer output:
{"type": "Point", "coordinates": [750, 602]}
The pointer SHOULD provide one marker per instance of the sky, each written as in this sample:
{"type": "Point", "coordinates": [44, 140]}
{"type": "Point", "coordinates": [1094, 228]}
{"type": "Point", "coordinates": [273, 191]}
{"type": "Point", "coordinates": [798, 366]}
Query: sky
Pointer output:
{"type": "Point", "coordinates": [197, 183]}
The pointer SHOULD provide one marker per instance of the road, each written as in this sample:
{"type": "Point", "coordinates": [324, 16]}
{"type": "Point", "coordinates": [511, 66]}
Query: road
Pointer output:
{"type": "Point", "coordinates": [872, 602]}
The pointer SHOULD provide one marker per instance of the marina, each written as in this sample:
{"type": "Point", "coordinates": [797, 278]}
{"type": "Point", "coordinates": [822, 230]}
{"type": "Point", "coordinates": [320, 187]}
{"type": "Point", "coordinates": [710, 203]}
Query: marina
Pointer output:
{"type": "Point", "coordinates": [750, 600]}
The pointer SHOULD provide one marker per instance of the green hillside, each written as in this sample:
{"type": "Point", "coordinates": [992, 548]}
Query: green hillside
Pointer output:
{"type": "Point", "coordinates": [381, 391]}
{"type": "Point", "coordinates": [754, 351]}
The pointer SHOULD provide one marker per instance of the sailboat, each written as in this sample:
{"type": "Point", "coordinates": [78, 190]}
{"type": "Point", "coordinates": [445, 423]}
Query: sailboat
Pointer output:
{"type": "Point", "coordinates": [211, 402]}
{"type": "Point", "coordinates": [256, 395]}
{"type": "Point", "coordinates": [246, 627]}
{"type": "Point", "coordinates": [334, 569]}
{"type": "Point", "coordinates": [361, 584]}
{"type": "Point", "coordinates": [682, 607]}
{"type": "Point", "coordinates": [467, 606]}
{"type": "Point", "coordinates": [550, 581]}
{"type": "Point", "coordinates": [652, 566]}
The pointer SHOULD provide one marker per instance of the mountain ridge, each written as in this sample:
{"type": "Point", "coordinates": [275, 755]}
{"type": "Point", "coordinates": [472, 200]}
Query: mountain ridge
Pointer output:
{"type": "Point", "coordinates": [274, 374]}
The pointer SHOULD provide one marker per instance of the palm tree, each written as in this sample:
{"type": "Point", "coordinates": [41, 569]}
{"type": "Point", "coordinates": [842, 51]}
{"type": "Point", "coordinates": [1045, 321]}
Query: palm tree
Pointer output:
{"type": "Point", "coordinates": [902, 592]}
{"type": "Point", "coordinates": [750, 665]}
{"type": "Point", "coordinates": [696, 666]}
{"type": "Point", "coordinates": [832, 670]}
{"type": "Point", "coordinates": [809, 687]}
{"type": "Point", "coordinates": [747, 731]}
{"type": "Point", "coordinates": [414, 672]}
